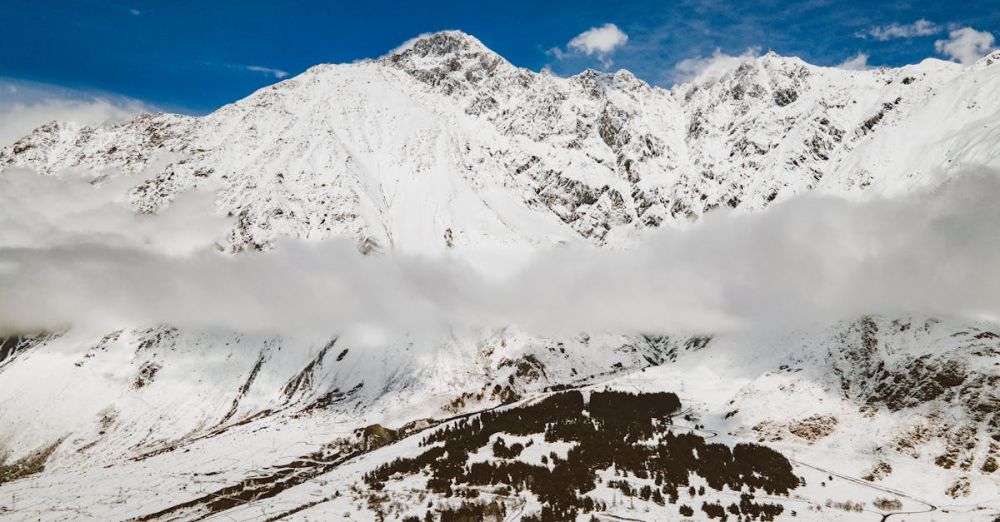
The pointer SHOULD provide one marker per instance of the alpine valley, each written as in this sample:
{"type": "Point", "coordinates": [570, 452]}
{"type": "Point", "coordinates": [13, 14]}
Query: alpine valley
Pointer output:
{"type": "Point", "coordinates": [443, 149]}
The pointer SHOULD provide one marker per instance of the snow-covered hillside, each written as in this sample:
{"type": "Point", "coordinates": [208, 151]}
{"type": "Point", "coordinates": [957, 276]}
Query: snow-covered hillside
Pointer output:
{"type": "Point", "coordinates": [898, 410]}
{"type": "Point", "coordinates": [443, 148]}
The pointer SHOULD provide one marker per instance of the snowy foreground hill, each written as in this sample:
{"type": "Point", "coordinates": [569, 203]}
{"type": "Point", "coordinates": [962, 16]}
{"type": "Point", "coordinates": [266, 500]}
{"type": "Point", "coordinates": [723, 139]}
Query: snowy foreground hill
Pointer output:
{"type": "Point", "coordinates": [443, 149]}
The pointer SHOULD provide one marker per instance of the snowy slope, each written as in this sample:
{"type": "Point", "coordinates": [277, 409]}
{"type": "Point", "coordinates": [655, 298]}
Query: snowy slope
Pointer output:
{"type": "Point", "coordinates": [444, 148]}
{"type": "Point", "coordinates": [813, 394]}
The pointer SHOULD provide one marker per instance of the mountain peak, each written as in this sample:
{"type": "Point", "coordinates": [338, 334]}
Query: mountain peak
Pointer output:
{"type": "Point", "coordinates": [772, 58]}
{"type": "Point", "coordinates": [440, 44]}
{"type": "Point", "coordinates": [450, 61]}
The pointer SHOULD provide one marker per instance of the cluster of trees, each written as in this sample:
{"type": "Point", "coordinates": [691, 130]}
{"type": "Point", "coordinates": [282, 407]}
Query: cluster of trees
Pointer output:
{"type": "Point", "coordinates": [749, 510]}
{"type": "Point", "coordinates": [846, 505]}
{"type": "Point", "coordinates": [475, 511]}
{"type": "Point", "coordinates": [618, 430]}
{"type": "Point", "coordinates": [523, 420]}
{"type": "Point", "coordinates": [888, 504]}
{"type": "Point", "coordinates": [715, 510]}
{"type": "Point", "coordinates": [757, 510]}
{"type": "Point", "coordinates": [646, 492]}
{"type": "Point", "coordinates": [466, 512]}
{"type": "Point", "coordinates": [502, 451]}
{"type": "Point", "coordinates": [615, 407]}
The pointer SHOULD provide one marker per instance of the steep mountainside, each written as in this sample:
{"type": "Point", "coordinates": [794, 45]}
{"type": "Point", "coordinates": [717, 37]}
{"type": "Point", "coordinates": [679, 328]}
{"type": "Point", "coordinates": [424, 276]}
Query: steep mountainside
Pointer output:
{"type": "Point", "coordinates": [443, 148]}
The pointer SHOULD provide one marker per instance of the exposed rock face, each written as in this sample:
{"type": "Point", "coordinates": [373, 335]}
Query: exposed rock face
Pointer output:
{"type": "Point", "coordinates": [375, 436]}
{"type": "Point", "coordinates": [813, 428]}
{"type": "Point", "coordinates": [810, 429]}
{"type": "Point", "coordinates": [11, 346]}
{"type": "Point", "coordinates": [961, 376]}
{"type": "Point", "coordinates": [945, 375]}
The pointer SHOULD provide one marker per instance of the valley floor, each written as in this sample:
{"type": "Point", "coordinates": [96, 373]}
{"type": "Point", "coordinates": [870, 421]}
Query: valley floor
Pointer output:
{"type": "Point", "coordinates": [852, 458]}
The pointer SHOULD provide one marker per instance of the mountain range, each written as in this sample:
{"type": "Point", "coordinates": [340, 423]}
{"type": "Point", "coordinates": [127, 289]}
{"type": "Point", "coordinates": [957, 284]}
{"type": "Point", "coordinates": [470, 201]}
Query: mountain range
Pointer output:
{"type": "Point", "coordinates": [442, 148]}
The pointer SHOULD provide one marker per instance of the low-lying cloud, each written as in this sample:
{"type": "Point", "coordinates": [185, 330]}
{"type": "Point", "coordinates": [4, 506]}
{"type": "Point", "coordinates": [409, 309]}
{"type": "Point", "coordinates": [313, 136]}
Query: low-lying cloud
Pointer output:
{"type": "Point", "coordinates": [858, 62]}
{"type": "Point", "coordinates": [966, 45]}
{"type": "Point", "coordinates": [707, 69]}
{"type": "Point", "coordinates": [814, 258]}
{"type": "Point", "coordinates": [24, 106]}
{"type": "Point", "coordinates": [42, 212]}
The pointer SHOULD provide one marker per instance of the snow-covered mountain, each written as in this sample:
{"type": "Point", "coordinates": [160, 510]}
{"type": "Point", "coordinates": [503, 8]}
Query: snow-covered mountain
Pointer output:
{"type": "Point", "coordinates": [444, 143]}
{"type": "Point", "coordinates": [444, 148]}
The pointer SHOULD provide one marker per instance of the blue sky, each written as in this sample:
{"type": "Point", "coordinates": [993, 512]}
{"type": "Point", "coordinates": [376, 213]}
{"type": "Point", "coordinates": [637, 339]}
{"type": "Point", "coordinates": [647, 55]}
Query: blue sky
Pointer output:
{"type": "Point", "coordinates": [194, 56]}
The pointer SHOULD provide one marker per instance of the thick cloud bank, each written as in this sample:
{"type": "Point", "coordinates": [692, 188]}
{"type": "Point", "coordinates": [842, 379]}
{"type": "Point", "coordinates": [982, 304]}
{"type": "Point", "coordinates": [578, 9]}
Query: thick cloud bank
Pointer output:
{"type": "Point", "coordinates": [92, 263]}
{"type": "Point", "coordinates": [42, 212]}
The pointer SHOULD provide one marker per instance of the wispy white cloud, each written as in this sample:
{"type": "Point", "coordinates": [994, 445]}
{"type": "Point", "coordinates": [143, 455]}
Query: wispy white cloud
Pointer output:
{"type": "Point", "coordinates": [599, 42]}
{"type": "Point", "coordinates": [858, 62]}
{"type": "Point", "coordinates": [965, 45]}
{"type": "Point", "coordinates": [887, 32]}
{"type": "Point", "coordinates": [134, 12]}
{"type": "Point", "coordinates": [256, 69]}
{"type": "Point", "coordinates": [277, 73]}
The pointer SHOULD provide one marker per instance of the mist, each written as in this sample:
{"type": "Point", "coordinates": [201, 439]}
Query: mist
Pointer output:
{"type": "Point", "coordinates": [73, 255]}
{"type": "Point", "coordinates": [24, 106]}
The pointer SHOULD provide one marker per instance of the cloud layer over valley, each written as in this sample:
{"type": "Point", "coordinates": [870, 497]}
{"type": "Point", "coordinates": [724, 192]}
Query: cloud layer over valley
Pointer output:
{"type": "Point", "coordinates": [71, 254]}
